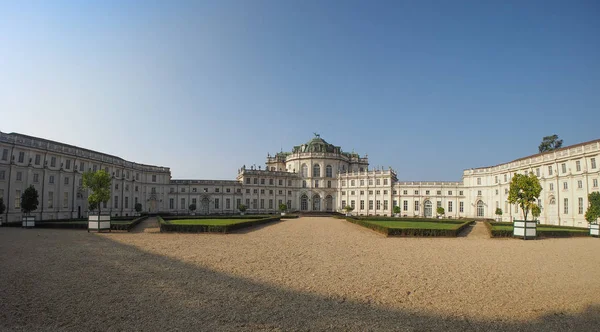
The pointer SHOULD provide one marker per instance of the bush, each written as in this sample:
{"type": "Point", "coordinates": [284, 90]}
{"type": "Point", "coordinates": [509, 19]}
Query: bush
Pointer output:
{"type": "Point", "coordinates": [166, 226]}
{"type": "Point", "coordinates": [410, 232]}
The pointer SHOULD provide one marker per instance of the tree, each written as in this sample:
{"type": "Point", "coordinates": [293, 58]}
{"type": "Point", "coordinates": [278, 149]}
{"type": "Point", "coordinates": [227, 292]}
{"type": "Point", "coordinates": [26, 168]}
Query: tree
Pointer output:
{"type": "Point", "coordinates": [242, 208]}
{"type": "Point", "coordinates": [192, 207]}
{"type": "Point", "coordinates": [440, 210]}
{"type": "Point", "coordinates": [499, 213]}
{"type": "Point", "coordinates": [92, 206]}
{"type": "Point", "coordinates": [2, 206]}
{"type": "Point", "coordinates": [524, 190]}
{"type": "Point", "coordinates": [99, 183]}
{"type": "Point", "coordinates": [535, 211]}
{"type": "Point", "coordinates": [29, 200]}
{"type": "Point", "coordinates": [138, 207]}
{"type": "Point", "coordinates": [348, 208]}
{"type": "Point", "coordinates": [593, 211]}
{"type": "Point", "coordinates": [397, 209]}
{"type": "Point", "coordinates": [550, 143]}
{"type": "Point", "coordinates": [282, 207]}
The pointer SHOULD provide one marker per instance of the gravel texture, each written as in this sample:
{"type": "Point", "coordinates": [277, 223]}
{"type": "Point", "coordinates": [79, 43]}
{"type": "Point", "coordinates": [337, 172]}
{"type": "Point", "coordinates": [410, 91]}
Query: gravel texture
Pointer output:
{"type": "Point", "coordinates": [302, 274]}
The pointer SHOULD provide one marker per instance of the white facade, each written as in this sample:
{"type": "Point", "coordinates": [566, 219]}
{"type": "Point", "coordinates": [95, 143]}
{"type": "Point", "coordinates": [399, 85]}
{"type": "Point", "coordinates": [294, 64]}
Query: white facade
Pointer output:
{"type": "Point", "coordinates": [316, 176]}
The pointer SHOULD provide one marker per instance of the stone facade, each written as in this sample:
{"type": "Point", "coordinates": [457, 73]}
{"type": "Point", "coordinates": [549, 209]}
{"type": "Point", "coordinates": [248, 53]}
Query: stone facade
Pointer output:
{"type": "Point", "coordinates": [315, 176]}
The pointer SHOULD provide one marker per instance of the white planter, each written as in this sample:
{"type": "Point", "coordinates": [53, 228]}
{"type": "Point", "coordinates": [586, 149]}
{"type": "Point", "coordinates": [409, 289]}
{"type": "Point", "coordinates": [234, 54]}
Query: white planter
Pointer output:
{"type": "Point", "coordinates": [283, 213]}
{"type": "Point", "coordinates": [241, 213]}
{"type": "Point", "coordinates": [98, 223]}
{"type": "Point", "coordinates": [595, 230]}
{"type": "Point", "coordinates": [525, 229]}
{"type": "Point", "coordinates": [28, 222]}
{"type": "Point", "coordinates": [348, 214]}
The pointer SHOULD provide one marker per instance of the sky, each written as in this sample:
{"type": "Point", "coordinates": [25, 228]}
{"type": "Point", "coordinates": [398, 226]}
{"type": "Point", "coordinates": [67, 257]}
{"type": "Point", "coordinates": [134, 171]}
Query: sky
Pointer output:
{"type": "Point", "coordinates": [429, 88]}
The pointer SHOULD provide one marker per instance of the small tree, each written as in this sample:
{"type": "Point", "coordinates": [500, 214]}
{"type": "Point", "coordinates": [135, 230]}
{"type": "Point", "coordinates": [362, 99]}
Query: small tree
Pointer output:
{"type": "Point", "coordinates": [282, 207]}
{"type": "Point", "coordinates": [440, 211]}
{"type": "Point", "coordinates": [550, 143]}
{"type": "Point", "coordinates": [499, 212]}
{"type": "Point", "coordinates": [397, 209]}
{"type": "Point", "coordinates": [348, 208]}
{"type": "Point", "coordinates": [242, 208]}
{"type": "Point", "coordinates": [99, 183]}
{"type": "Point", "coordinates": [92, 206]}
{"type": "Point", "coordinates": [535, 211]}
{"type": "Point", "coordinates": [524, 190]}
{"type": "Point", "coordinates": [138, 207]}
{"type": "Point", "coordinates": [29, 200]}
{"type": "Point", "coordinates": [593, 211]}
{"type": "Point", "coordinates": [192, 207]}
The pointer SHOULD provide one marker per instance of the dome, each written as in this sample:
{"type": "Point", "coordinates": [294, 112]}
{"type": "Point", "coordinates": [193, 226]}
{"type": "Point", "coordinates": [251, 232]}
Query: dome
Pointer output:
{"type": "Point", "coordinates": [317, 144]}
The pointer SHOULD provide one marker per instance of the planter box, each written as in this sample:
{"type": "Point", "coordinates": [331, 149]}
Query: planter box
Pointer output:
{"type": "Point", "coordinates": [98, 223]}
{"type": "Point", "coordinates": [595, 230]}
{"type": "Point", "coordinates": [242, 213]}
{"type": "Point", "coordinates": [283, 213]}
{"type": "Point", "coordinates": [28, 222]}
{"type": "Point", "coordinates": [525, 229]}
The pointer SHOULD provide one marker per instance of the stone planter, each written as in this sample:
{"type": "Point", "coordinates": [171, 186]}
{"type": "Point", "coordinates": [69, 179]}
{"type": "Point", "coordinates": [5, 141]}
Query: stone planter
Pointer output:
{"type": "Point", "coordinates": [98, 223]}
{"type": "Point", "coordinates": [283, 213]}
{"type": "Point", "coordinates": [28, 222]}
{"type": "Point", "coordinates": [525, 229]}
{"type": "Point", "coordinates": [595, 230]}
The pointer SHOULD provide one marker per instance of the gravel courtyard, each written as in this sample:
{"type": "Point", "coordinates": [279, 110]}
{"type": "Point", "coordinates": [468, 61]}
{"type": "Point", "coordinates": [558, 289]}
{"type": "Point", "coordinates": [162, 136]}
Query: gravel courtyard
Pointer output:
{"type": "Point", "coordinates": [302, 274]}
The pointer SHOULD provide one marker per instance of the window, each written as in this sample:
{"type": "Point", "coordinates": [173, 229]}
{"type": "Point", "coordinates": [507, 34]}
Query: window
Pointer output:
{"type": "Point", "coordinates": [289, 183]}
{"type": "Point", "coordinates": [17, 199]}
{"type": "Point", "coordinates": [416, 206]}
{"type": "Point", "coordinates": [566, 206]}
{"type": "Point", "coordinates": [126, 187]}
{"type": "Point", "coordinates": [182, 204]}
{"type": "Point", "coordinates": [504, 177]}
{"type": "Point", "coordinates": [564, 167]}
{"type": "Point", "coordinates": [362, 204]}
{"type": "Point", "coordinates": [352, 193]}
{"type": "Point", "coordinates": [449, 206]}
{"type": "Point", "coordinates": [461, 207]}
{"type": "Point", "coordinates": [5, 154]}
{"type": "Point", "coordinates": [370, 182]}
{"type": "Point", "coordinates": [217, 203]}
{"type": "Point", "coordinates": [426, 192]}
{"type": "Point", "coordinates": [66, 200]}
{"type": "Point", "coordinates": [228, 203]}
{"type": "Point", "coordinates": [205, 190]}
{"type": "Point", "coordinates": [352, 183]}
{"type": "Point", "coordinates": [171, 203]}
{"type": "Point", "coordinates": [416, 192]}
{"type": "Point", "coordinates": [405, 205]}
{"type": "Point", "coordinates": [316, 171]}
{"type": "Point", "coordinates": [478, 192]}
{"type": "Point", "coordinates": [343, 193]}
{"type": "Point", "coordinates": [37, 160]}
{"type": "Point", "coordinates": [496, 179]}
{"type": "Point", "coordinates": [271, 182]}
{"type": "Point", "coordinates": [537, 172]}
{"type": "Point", "coordinates": [262, 203]}
{"type": "Point", "coordinates": [385, 182]}
{"type": "Point", "coordinates": [126, 202]}
{"type": "Point", "coordinates": [551, 186]}
{"type": "Point", "coordinates": [216, 190]}
{"type": "Point", "coordinates": [328, 183]}
{"type": "Point", "coordinates": [580, 205]}
{"type": "Point", "coordinates": [66, 180]}
{"type": "Point", "coordinates": [549, 170]}
{"type": "Point", "coordinates": [479, 181]}
{"type": "Point", "coordinates": [352, 204]}
{"type": "Point", "coordinates": [593, 162]}
{"type": "Point", "coordinates": [116, 202]}
{"type": "Point", "coordinates": [595, 183]}
{"type": "Point", "coordinates": [171, 190]}
{"type": "Point", "coordinates": [2, 175]}
{"type": "Point", "coordinates": [578, 165]}
{"type": "Point", "coordinates": [370, 205]}
{"type": "Point", "coordinates": [50, 199]}
{"type": "Point", "coordinates": [36, 177]}
{"type": "Point", "coordinates": [95, 168]}
{"type": "Point", "coordinates": [328, 171]}
{"type": "Point", "coordinates": [303, 183]}
{"type": "Point", "coordinates": [81, 165]}
{"type": "Point", "coordinates": [53, 162]}
{"type": "Point", "coordinates": [228, 190]}
{"type": "Point", "coordinates": [385, 204]}
{"type": "Point", "coordinates": [262, 181]}
{"type": "Point", "coordinates": [460, 193]}
{"type": "Point", "coordinates": [270, 192]}
{"type": "Point", "coordinates": [377, 192]}
{"type": "Point", "coordinates": [378, 181]}
{"type": "Point", "coordinates": [117, 187]}
{"type": "Point", "coordinates": [51, 179]}
{"type": "Point", "coordinates": [280, 182]}
{"type": "Point", "coordinates": [343, 204]}
{"type": "Point", "coordinates": [370, 192]}
{"type": "Point", "coordinates": [153, 178]}
{"type": "Point", "coordinates": [362, 192]}
{"type": "Point", "coordinates": [19, 176]}
{"type": "Point", "coordinates": [304, 170]}
{"type": "Point", "coordinates": [247, 191]}
{"type": "Point", "coordinates": [247, 180]}
{"type": "Point", "coordinates": [449, 192]}
{"type": "Point", "coordinates": [505, 191]}
{"type": "Point", "coordinates": [439, 204]}
{"type": "Point", "coordinates": [22, 156]}
{"type": "Point", "coordinates": [496, 191]}
{"type": "Point", "coordinates": [182, 190]}
{"type": "Point", "coordinates": [405, 192]}
{"type": "Point", "coordinates": [385, 192]}
{"type": "Point", "coordinates": [565, 186]}
{"type": "Point", "coordinates": [579, 184]}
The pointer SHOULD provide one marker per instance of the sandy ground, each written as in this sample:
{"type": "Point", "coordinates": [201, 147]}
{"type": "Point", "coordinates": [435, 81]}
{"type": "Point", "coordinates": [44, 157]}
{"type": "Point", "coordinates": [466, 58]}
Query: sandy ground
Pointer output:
{"type": "Point", "coordinates": [305, 274]}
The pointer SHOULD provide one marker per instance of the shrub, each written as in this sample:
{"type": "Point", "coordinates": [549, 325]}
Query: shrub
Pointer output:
{"type": "Point", "coordinates": [410, 232]}
{"type": "Point", "coordinates": [166, 226]}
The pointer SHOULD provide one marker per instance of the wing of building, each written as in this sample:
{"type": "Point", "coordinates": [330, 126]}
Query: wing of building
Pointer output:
{"type": "Point", "coordinates": [315, 176]}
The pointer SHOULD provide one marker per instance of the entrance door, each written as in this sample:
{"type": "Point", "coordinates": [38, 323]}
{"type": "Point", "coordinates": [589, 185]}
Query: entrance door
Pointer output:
{"type": "Point", "coordinates": [480, 211]}
{"type": "Point", "coordinates": [316, 203]}
{"type": "Point", "coordinates": [303, 203]}
{"type": "Point", "coordinates": [328, 203]}
{"type": "Point", "coordinates": [428, 209]}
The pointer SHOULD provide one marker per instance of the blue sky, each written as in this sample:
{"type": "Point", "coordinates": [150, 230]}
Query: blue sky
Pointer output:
{"type": "Point", "coordinates": [427, 87]}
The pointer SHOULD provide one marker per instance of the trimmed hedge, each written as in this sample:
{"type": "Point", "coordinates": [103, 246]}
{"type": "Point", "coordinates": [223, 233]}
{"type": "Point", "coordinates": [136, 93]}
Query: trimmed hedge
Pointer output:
{"type": "Point", "coordinates": [166, 226]}
{"type": "Point", "coordinates": [410, 232]}
{"type": "Point", "coordinates": [127, 226]}
{"type": "Point", "coordinates": [559, 231]}
{"type": "Point", "coordinates": [235, 216]}
{"type": "Point", "coordinates": [378, 218]}
{"type": "Point", "coordinates": [83, 224]}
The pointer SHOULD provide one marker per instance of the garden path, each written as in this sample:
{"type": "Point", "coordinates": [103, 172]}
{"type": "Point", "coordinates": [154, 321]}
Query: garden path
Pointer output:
{"type": "Point", "coordinates": [475, 231]}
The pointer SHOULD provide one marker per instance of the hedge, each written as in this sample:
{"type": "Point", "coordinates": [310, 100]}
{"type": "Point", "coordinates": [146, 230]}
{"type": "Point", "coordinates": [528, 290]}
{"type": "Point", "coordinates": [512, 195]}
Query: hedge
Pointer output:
{"type": "Point", "coordinates": [378, 218]}
{"type": "Point", "coordinates": [83, 224]}
{"type": "Point", "coordinates": [541, 233]}
{"type": "Point", "coordinates": [410, 232]}
{"type": "Point", "coordinates": [165, 226]}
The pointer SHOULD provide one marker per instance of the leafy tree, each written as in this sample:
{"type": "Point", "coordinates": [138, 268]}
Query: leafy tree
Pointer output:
{"type": "Point", "coordinates": [192, 207]}
{"type": "Point", "coordinates": [282, 207]}
{"type": "Point", "coordinates": [550, 143]}
{"type": "Point", "coordinates": [2, 206]}
{"type": "Point", "coordinates": [440, 210]}
{"type": "Point", "coordinates": [138, 207]}
{"type": "Point", "coordinates": [397, 209]}
{"type": "Point", "coordinates": [92, 206]}
{"type": "Point", "coordinates": [535, 211]}
{"type": "Point", "coordinates": [29, 200]}
{"type": "Point", "coordinates": [524, 190]}
{"type": "Point", "coordinates": [498, 211]}
{"type": "Point", "coordinates": [593, 211]}
{"type": "Point", "coordinates": [242, 208]}
{"type": "Point", "coordinates": [99, 183]}
{"type": "Point", "coordinates": [348, 208]}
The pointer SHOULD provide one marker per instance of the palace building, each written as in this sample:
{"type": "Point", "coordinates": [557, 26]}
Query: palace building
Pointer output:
{"type": "Point", "coordinates": [314, 177]}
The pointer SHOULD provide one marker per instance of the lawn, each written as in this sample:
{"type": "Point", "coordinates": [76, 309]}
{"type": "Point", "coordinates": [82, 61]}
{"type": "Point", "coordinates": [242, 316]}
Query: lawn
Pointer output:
{"type": "Point", "coordinates": [208, 222]}
{"type": "Point", "coordinates": [412, 227]}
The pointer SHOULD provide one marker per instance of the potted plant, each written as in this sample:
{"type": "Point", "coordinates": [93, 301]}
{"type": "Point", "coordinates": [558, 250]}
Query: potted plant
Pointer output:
{"type": "Point", "coordinates": [242, 209]}
{"type": "Point", "coordinates": [498, 214]}
{"type": "Point", "coordinates": [282, 208]}
{"type": "Point", "coordinates": [100, 183]}
{"type": "Point", "coordinates": [138, 208]}
{"type": "Point", "coordinates": [440, 211]}
{"type": "Point", "coordinates": [29, 202]}
{"type": "Point", "coordinates": [2, 209]}
{"type": "Point", "coordinates": [348, 210]}
{"type": "Point", "coordinates": [593, 213]}
{"type": "Point", "coordinates": [192, 208]}
{"type": "Point", "coordinates": [524, 191]}
{"type": "Point", "coordinates": [397, 211]}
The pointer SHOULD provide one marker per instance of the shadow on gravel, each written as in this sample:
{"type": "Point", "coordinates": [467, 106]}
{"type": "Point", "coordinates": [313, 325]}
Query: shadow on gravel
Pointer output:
{"type": "Point", "coordinates": [105, 285]}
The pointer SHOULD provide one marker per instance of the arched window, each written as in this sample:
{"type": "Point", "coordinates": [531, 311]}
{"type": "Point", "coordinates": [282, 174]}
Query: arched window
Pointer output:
{"type": "Point", "coordinates": [316, 171]}
{"type": "Point", "coordinates": [480, 211]}
{"type": "Point", "coordinates": [304, 171]}
{"type": "Point", "coordinates": [304, 203]}
{"type": "Point", "coordinates": [329, 171]}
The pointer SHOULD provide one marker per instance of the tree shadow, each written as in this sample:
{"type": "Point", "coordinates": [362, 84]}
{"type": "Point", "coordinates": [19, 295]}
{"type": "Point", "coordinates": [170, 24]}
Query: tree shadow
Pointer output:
{"type": "Point", "coordinates": [108, 285]}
